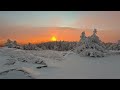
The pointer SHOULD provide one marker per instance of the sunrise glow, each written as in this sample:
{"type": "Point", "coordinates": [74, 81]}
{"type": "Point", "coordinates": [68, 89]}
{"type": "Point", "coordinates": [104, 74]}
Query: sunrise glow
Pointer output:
{"type": "Point", "coordinates": [53, 38]}
{"type": "Point", "coordinates": [39, 26]}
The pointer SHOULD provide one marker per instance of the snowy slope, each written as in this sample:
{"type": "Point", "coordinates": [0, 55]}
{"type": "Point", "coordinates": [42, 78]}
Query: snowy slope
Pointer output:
{"type": "Point", "coordinates": [13, 60]}
{"type": "Point", "coordinates": [60, 65]}
{"type": "Point", "coordinates": [83, 67]}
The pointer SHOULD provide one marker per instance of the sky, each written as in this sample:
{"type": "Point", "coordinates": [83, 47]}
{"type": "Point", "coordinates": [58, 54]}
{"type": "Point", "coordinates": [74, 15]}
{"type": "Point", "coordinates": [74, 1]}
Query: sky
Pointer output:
{"type": "Point", "coordinates": [40, 26]}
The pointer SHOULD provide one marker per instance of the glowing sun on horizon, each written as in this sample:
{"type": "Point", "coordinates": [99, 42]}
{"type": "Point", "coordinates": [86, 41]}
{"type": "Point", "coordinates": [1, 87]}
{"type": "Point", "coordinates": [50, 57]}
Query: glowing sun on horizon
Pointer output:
{"type": "Point", "coordinates": [53, 38]}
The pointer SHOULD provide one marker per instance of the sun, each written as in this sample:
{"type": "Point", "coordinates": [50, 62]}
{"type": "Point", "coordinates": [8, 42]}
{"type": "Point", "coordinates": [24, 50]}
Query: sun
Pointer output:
{"type": "Point", "coordinates": [53, 38]}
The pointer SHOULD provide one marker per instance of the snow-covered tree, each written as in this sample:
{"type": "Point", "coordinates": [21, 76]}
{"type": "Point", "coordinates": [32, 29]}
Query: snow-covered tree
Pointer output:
{"type": "Point", "coordinates": [15, 43]}
{"type": "Point", "coordinates": [90, 46]}
{"type": "Point", "coordinates": [115, 46]}
{"type": "Point", "coordinates": [118, 41]}
{"type": "Point", "coordinates": [83, 37]}
{"type": "Point", "coordinates": [30, 46]}
{"type": "Point", "coordinates": [58, 45]}
{"type": "Point", "coordinates": [8, 43]}
{"type": "Point", "coordinates": [11, 44]}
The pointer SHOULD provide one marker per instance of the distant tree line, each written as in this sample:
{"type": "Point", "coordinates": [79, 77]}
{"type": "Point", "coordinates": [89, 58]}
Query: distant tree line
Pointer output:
{"type": "Point", "coordinates": [85, 42]}
{"type": "Point", "coordinates": [58, 45]}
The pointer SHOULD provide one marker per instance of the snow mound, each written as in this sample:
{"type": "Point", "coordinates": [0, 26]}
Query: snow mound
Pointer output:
{"type": "Point", "coordinates": [15, 74]}
{"type": "Point", "coordinates": [49, 54]}
{"type": "Point", "coordinates": [16, 55]}
{"type": "Point", "coordinates": [92, 53]}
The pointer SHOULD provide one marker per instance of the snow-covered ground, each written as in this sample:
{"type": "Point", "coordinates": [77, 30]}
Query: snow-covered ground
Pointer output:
{"type": "Point", "coordinates": [15, 63]}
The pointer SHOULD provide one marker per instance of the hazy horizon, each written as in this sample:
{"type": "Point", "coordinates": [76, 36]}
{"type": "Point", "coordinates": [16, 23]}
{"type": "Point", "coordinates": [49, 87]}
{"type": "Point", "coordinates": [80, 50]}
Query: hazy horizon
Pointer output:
{"type": "Point", "coordinates": [41, 26]}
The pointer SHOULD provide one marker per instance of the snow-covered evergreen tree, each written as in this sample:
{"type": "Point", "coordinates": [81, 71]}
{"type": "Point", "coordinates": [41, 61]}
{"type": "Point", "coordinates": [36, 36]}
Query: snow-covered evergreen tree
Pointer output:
{"type": "Point", "coordinates": [30, 46]}
{"type": "Point", "coordinates": [115, 46]}
{"type": "Point", "coordinates": [11, 44]}
{"type": "Point", "coordinates": [8, 43]}
{"type": "Point", "coordinates": [119, 42]}
{"type": "Point", "coordinates": [90, 46]}
{"type": "Point", "coordinates": [58, 45]}
{"type": "Point", "coordinates": [83, 36]}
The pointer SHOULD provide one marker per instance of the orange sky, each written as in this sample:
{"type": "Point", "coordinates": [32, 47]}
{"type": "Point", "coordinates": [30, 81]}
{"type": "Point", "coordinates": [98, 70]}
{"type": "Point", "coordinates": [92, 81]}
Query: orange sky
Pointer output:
{"type": "Point", "coordinates": [27, 26]}
{"type": "Point", "coordinates": [35, 35]}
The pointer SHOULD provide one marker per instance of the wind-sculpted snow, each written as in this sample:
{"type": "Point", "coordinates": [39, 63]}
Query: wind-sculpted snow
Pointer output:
{"type": "Point", "coordinates": [47, 64]}
{"type": "Point", "coordinates": [15, 74]}
{"type": "Point", "coordinates": [50, 54]}
{"type": "Point", "coordinates": [11, 58]}
{"type": "Point", "coordinates": [30, 56]}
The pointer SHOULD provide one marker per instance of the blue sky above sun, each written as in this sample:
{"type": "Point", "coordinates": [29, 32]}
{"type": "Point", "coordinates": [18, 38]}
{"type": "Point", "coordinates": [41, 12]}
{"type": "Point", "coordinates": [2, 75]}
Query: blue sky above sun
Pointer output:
{"type": "Point", "coordinates": [76, 19]}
